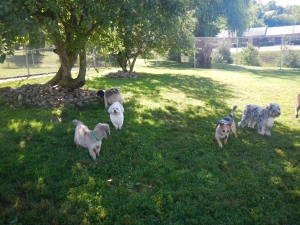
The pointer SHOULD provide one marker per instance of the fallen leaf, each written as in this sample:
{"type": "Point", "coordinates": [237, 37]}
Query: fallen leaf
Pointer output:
{"type": "Point", "coordinates": [28, 137]}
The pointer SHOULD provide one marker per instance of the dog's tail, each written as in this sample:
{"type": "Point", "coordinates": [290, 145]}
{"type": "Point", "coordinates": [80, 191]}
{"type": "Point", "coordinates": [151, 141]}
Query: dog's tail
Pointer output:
{"type": "Point", "coordinates": [233, 111]}
{"type": "Point", "coordinates": [76, 122]}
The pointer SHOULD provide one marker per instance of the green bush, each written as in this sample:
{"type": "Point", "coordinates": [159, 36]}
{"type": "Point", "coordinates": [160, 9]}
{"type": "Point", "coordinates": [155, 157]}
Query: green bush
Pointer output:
{"type": "Point", "coordinates": [289, 58]}
{"type": "Point", "coordinates": [249, 56]}
{"type": "Point", "coordinates": [222, 54]}
{"type": "Point", "coordinates": [174, 56]}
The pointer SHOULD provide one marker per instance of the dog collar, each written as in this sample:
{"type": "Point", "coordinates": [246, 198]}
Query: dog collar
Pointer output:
{"type": "Point", "coordinates": [95, 136]}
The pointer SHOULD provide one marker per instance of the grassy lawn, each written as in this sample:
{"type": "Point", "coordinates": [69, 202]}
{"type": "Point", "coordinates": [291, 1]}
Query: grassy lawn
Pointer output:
{"type": "Point", "coordinates": [164, 166]}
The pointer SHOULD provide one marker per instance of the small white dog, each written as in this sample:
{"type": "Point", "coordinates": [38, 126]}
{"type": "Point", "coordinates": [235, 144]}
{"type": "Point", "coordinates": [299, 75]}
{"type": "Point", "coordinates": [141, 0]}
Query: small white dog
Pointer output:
{"type": "Point", "coordinates": [90, 139]}
{"type": "Point", "coordinates": [264, 117]}
{"type": "Point", "coordinates": [116, 114]}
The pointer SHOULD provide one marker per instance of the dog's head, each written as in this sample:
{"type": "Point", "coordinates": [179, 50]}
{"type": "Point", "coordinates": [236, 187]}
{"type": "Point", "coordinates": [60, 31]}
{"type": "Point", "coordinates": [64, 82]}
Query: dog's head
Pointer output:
{"type": "Point", "coordinates": [224, 129]}
{"type": "Point", "coordinates": [273, 110]}
{"type": "Point", "coordinates": [116, 108]}
{"type": "Point", "coordinates": [113, 91]}
{"type": "Point", "coordinates": [102, 130]}
{"type": "Point", "coordinates": [100, 93]}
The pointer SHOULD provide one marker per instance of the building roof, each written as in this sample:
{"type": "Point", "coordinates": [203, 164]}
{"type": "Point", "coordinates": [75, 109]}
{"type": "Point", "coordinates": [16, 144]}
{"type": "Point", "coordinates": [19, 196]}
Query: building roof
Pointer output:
{"type": "Point", "coordinates": [265, 31]}
{"type": "Point", "coordinates": [226, 34]}
{"type": "Point", "coordinates": [256, 31]}
{"type": "Point", "coordinates": [273, 31]}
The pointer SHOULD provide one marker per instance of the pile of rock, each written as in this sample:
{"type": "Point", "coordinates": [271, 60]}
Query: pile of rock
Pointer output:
{"type": "Point", "coordinates": [44, 95]}
{"type": "Point", "coordinates": [121, 74]}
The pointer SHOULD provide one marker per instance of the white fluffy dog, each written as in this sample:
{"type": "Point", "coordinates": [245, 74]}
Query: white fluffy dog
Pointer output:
{"type": "Point", "coordinates": [116, 114]}
{"type": "Point", "coordinates": [264, 117]}
{"type": "Point", "coordinates": [90, 139]}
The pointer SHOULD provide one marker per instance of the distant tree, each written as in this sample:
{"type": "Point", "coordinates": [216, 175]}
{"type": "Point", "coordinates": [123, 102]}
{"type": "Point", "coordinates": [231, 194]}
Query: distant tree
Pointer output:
{"type": "Point", "coordinates": [271, 5]}
{"type": "Point", "coordinates": [145, 26]}
{"type": "Point", "coordinates": [275, 20]}
{"type": "Point", "coordinates": [214, 14]}
{"type": "Point", "coordinates": [295, 13]}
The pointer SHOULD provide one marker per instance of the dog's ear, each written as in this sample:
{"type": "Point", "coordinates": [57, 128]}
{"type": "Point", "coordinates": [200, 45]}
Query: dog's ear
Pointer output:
{"type": "Point", "coordinates": [220, 123]}
{"type": "Point", "coordinates": [109, 109]}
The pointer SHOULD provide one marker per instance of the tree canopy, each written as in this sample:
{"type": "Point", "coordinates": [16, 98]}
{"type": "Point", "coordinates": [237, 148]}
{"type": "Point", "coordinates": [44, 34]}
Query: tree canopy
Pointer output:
{"type": "Point", "coordinates": [67, 24]}
{"type": "Point", "coordinates": [272, 15]}
{"type": "Point", "coordinates": [126, 28]}
{"type": "Point", "coordinates": [215, 14]}
{"type": "Point", "coordinates": [150, 26]}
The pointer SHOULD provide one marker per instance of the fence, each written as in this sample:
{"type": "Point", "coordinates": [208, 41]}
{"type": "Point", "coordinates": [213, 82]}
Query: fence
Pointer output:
{"type": "Point", "coordinates": [42, 61]}
{"type": "Point", "coordinates": [270, 48]}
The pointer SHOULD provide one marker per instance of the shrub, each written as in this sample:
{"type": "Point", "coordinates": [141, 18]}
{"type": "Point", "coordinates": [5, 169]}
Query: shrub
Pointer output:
{"type": "Point", "coordinates": [222, 54]}
{"type": "Point", "coordinates": [289, 57]}
{"type": "Point", "coordinates": [249, 56]}
{"type": "Point", "coordinates": [174, 56]}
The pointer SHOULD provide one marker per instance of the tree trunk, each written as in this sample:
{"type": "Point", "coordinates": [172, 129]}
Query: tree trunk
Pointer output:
{"type": "Point", "coordinates": [63, 77]}
{"type": "Point", "coordinates": [122, 61]}
{"type": "Point", "coordinates": [204, 57]}
{"type": "Point", "coordinates": [133, 62]}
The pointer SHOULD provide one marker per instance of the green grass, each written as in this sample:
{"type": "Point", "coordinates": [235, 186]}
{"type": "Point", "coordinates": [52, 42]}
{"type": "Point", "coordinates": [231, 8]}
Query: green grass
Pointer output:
{"type": "Point", "coordinates": [164, 166]}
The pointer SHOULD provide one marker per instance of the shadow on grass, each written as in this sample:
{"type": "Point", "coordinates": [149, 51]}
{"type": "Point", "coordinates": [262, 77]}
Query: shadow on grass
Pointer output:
{"type": "Point", "coordinates": [275, 72]}
{"type": "Point", "coordinates": [157, 86]}
{"type": "Point", "coordinates": [163, 167]}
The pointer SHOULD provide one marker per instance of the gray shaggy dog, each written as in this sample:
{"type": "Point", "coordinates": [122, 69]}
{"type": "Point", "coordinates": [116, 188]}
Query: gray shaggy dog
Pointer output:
{"type": "Point", "coordinates": [90, 139]}
{"type": "Point", "coordinates": [264, 117]}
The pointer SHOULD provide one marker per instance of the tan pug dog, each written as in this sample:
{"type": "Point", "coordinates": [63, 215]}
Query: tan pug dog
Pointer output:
{"type": "Point", "coordinates": [110, 96]}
